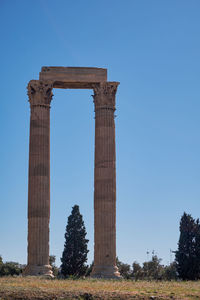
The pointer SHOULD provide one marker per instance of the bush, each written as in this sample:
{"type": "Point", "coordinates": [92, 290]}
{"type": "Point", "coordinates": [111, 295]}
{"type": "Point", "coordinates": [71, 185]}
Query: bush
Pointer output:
{"type": "Point", "coordinates": [10, 268]}
{"type": "Point", "coordinates": [52, 262]}
{"type": "Point", "coordinates": [170, 272]}
{"type": "Point", "coordinates": [124, 269]}
{"type": "Point", "coordinates": [137, 272]}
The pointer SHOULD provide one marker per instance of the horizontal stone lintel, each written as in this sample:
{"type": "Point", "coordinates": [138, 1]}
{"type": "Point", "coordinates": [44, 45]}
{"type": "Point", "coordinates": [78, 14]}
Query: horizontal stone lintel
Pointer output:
{"type": "Point", "coordinates": [73, 77]}
{"type": "Point", "coordinates": [73, 85]}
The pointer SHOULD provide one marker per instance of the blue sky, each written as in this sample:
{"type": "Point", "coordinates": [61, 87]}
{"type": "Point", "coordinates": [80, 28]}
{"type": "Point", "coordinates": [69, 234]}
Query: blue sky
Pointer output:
{"type": "Point", "coordinates": [152, 47]}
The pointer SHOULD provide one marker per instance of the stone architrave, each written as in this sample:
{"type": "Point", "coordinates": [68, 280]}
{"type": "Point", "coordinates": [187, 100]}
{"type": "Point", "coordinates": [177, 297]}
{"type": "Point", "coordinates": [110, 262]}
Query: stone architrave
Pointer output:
{"type": "Point", "coordinates": [40, 95]}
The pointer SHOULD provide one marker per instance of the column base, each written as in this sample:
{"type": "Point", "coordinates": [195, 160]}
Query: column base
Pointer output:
{"type": "Point", "coordinates": [107, 272]}
{"type": "Point", "coordinates": [34, 270]}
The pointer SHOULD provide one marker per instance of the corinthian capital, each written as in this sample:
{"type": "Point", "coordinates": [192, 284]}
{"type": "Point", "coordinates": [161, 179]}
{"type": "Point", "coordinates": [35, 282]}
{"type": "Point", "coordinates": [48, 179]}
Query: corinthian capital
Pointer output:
{"type": "Point", "coordinates": [104, 95]}
{"type": "Point", "coordinates": [40, 92]}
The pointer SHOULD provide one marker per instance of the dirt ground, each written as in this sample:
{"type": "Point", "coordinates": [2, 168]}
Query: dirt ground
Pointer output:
{"type": "Point", "coordinates": [88, 289]}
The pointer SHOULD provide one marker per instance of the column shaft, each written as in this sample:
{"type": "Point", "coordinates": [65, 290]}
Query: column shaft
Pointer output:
{"type": "Point", "coordinates": [39, 180]}
{"type": "Point", "coordinates": [105, 183]}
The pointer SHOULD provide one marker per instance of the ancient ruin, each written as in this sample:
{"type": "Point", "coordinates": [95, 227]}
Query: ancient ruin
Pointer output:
{"type": "Point", "coordinates": [40, 95]}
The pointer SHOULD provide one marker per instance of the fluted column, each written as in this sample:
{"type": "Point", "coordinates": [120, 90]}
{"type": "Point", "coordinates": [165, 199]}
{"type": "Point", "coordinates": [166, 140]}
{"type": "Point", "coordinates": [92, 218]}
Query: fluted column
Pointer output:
{"type": "Point", "coordinates": [40, 95]}
{"type": "Point", "coordinates": [105, 182]}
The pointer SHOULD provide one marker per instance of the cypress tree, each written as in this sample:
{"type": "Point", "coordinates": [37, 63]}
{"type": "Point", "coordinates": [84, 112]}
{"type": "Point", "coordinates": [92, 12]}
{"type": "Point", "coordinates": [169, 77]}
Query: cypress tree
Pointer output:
{"type": "Point", "coordinates": [75, 251]}
{"type": "Point", "coordinates": [188, 253]}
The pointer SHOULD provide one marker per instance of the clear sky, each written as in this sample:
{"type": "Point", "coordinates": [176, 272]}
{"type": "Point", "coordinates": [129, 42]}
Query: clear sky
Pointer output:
{"type": "Point", "coordinates": [153, 48]}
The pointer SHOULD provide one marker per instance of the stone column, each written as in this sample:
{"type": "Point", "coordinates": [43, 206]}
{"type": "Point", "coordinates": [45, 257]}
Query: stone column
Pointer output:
{"type": "Point", "coordinates": [40, 95]}
{"type": "Point", "coordinates": [105, 182]}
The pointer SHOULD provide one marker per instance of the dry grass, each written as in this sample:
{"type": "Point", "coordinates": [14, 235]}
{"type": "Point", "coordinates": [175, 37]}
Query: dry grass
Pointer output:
{"type": "Point", "coordinates": [38, 288]}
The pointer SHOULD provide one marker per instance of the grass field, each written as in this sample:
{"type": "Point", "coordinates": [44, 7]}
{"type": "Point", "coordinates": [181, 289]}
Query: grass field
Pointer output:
{"type": "Point", "coordinates": [88, 289]}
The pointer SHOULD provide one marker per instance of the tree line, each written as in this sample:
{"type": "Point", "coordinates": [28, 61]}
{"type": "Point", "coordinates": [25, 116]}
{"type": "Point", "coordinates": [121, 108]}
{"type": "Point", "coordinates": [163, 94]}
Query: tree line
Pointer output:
{"type": "Point", "coordinates": [10, 268]}
{"type": "Point", "coordinates": [186, 265]}
{"type": "Point", "coordinates": [187, 257]}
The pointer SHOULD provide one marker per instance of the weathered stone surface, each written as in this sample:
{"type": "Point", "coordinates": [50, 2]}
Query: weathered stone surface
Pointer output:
{"type": "Point", "coordinates": [40, 95]}
{"type": "Point", "coordinates": [105, 182]}
{"type": "Point", "coordinates": [34, 270]}
{"type": "Point", "coordinates": [73, 77]}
